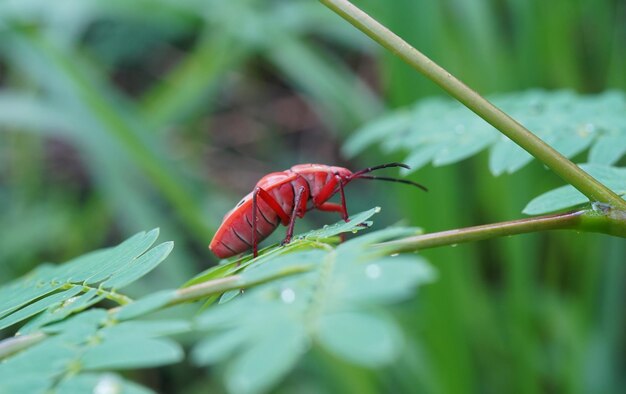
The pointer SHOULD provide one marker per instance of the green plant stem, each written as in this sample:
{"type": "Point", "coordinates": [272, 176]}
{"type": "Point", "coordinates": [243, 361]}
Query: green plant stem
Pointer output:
{"type": "Point", "coordinates": [558, 163]}
{"type": "Point", "coordinates": [603, 220]}
{"type": "Point", "coordinates": [234, 282]}
{"type": "Point", "coordinates": [118, 298]}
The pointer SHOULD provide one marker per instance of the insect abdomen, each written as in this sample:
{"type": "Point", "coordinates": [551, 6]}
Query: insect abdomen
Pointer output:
{"type": "Point", "coordinates": [235, 234]}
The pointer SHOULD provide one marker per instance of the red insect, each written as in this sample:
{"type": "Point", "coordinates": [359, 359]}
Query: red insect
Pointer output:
{"type": "Point", "coordinates": [281, 196]}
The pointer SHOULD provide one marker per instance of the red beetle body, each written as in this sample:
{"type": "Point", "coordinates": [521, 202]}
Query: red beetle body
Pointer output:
{"type": "Point", "coordinates": [280, 197]}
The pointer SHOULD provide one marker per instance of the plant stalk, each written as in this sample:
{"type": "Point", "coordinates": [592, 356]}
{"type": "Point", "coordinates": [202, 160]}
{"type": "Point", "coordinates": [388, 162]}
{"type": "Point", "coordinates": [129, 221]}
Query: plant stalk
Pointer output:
{"type": "Point", "coordinates": [558, 163]}
{"type": "Point", "coordinates": [604, 220]}
{"type": "Point", "coordinates": [233, 282]}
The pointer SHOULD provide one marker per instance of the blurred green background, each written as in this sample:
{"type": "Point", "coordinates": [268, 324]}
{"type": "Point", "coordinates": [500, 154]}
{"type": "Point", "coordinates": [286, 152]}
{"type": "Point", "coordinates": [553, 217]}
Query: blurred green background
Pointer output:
{"type": "Point", "coordinates": [118, 116]}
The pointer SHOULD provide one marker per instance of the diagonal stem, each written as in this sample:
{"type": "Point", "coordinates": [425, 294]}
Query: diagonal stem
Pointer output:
{"type": "Point", "coordinates": [558, 163]}
{"type": "Point", "coordinates": [602, 220]}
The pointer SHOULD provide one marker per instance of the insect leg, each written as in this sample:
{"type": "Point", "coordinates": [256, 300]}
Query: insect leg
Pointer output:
{"type": "Point", "coordinates": [292, 221]}
{"type": "Point", "coordinates": [344, 209]}
{"type": "Point", "coordinates": [326, 193]}
{"type": "Point", "coordinates": [255, 240]}
{"type": "Point", "coordinates": [269, 200]}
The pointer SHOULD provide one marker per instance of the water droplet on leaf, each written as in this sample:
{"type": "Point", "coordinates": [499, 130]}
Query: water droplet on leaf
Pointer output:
{"type": "Point", "coordinates": [288, 296]}
{"type": "Point", "coordinates": [108, 384]}
{"type": "Point", "coordinates": [372, 271]}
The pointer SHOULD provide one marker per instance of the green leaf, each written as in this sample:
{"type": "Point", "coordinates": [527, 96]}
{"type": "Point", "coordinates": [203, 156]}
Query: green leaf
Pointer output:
{"type": "Point", "coordinates": [375, 131]}
{"type": "Point", "coordinates": [443, 131]}
{"type": "Point", "coordinates": [139, 267]}
{"type": "Point", "coordinates": [37, 307]}
{"type": "Point", "coordinates": [608, 150]}
{"type": "Point", "coordinates": [35, 383]}
{"type": "Point", "coordinates": [566, 196]}
{"type": "Point", "coordinates": [93, 340]}
{"type": "Point", "coordinates": [219, 346]}
{"type": "Point", "coordinates": [37, 367]}
{"type": "Point", "coordinates": [261, 335]}
{"type": "Point", "coordinates": [420, 156]}
{"type": "Point", "coordinates": [99, 383]}
{"type": "Point", "coordinates": [60, 311]}
{"type": "Point", "coordinates": [506, 156]}
{"type": "Point", "coordinates": [363, 339]}
{"type": "Point", "coordinates": [146, 305]}
{"type": "Point", "coordinates": [131, 352]}
{"type": "Point", "coordinates": [357, 222]}
{"type": "Point", "coordinates": [95, 270]}
{"type": "Point", "coordinates": [387, 280]}
{"type": "Point", "coordinates": [282, 264]}
{"type": "Point", "coordinates": [40, 290]}
{"type": "Point", "coordinates": [267, 360]}
{"type": "Point", "coordinates": [31, 287]}
{"type": "Point", "coordinates": [146, 329]}
{"type": "Point", "coordinates": [215, 272]}
{"type": "Point", "coordinates": [80, 326]}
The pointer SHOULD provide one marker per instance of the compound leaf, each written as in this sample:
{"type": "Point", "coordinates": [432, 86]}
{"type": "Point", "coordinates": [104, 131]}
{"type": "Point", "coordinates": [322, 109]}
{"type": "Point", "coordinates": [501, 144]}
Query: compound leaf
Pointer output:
{"type": "Point", "coordinates": [566, 196]}
{"type": "Point", "coordinates": [132, 351]}
{"type": "Point", "coordinates": [376, 342]}
{"type": "Point", "coordinates": [332, 302]}
{"type": "Point", "coordinates": [57, 289]}
{"type": "Point", "coordinates": [441, 131]}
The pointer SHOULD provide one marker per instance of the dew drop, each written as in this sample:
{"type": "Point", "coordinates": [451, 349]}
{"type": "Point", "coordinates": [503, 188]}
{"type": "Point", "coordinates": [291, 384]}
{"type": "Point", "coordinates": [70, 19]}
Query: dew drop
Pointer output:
{"type": "Point", "coordinates": [600, 207]}
{"type": "Point", "coordinates": [395, 254]}
{"type": "Point", "coordinates": [588, 128]}
{"type": "Point", "coordinates": [108, 384]}
{"type": "Point", "coordinates": [372, 271]}
{"type": "Point", "coordinates": [69, 301]}
{"type": "Point", "coordinates": [288, 296]}
{"type": "Point", "coordinates": [454, 245]}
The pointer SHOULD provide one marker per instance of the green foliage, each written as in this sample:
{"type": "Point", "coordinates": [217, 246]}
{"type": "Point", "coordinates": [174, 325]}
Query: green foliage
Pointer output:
{"type": "Point", "coordinates": [311, 292]}
{"type": "Point", "coordinates": [566, 196]}
{"type": "Point", "coordinates": [77, 349]}
{"type": "Point", "coordinates": [263, 333]}
{"type": "Point", "coordinates": [517, 315]}
{"type": "Point", "coordinates": [442, 131]}
{"type": "Point", "coordinates": [56, 290]}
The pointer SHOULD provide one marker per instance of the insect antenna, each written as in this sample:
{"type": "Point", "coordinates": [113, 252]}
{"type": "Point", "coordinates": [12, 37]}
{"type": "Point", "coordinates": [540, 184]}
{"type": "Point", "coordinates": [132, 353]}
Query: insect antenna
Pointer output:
{"type": "Point", "coordinates": [370, 169]}
{"type": "Point", "coordinates": [384, 178]}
